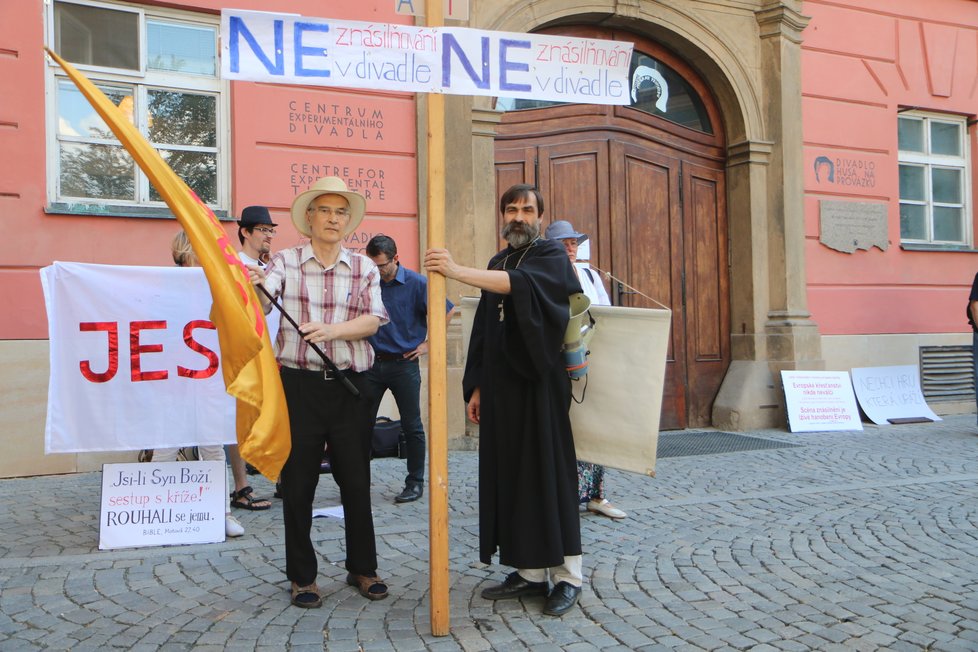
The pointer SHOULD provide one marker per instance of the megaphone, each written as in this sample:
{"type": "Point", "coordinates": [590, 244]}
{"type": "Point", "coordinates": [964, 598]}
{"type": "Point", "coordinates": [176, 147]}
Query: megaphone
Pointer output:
{"type": "Point", "coordinates": [579, 331]}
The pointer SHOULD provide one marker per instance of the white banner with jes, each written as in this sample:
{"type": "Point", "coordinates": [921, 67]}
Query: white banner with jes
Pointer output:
{"type": "Point", "coordinates": [134, 360]}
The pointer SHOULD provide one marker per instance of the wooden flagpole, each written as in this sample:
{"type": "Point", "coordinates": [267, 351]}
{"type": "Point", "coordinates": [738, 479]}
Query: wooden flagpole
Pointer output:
{"type": "Point", "coordinates": [437, 358]}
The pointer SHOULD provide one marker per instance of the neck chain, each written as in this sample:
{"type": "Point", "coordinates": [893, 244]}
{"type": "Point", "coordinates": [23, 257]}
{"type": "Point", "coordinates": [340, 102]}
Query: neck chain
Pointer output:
{"type": "Point", "coordinates": [502, 265]}
{"type": "Point", "coordinates": [522, 251]}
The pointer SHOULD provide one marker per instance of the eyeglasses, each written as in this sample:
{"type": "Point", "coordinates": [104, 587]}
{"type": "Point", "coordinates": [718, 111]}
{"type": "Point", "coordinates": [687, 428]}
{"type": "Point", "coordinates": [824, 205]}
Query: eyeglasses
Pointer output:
{"type": "Point", "coordinates": [327, 210]}
{"type": "Point", "coordinates": [265, 230]}
{"type": "Point", "coordinates": [389, 262]}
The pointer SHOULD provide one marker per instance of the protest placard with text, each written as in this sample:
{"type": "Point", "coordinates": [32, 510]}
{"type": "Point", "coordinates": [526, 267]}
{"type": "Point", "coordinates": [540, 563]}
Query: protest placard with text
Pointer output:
{"type": "Point", "coordinates": [293, 49]}
{"type": "Point", "coordinates": [162, 503]}
{"type": "Point", "coordinates": [820, 400]}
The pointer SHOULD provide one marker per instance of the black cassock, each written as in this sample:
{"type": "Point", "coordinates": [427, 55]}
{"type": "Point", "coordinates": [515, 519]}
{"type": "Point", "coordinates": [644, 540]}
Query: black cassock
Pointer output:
{"type": "Point", "coordinates": [528, 505]}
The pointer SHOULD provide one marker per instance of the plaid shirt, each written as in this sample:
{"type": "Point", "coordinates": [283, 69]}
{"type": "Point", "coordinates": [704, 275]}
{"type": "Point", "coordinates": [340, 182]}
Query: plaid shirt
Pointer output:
{"type": "Point", "coordinates": [310, 292]}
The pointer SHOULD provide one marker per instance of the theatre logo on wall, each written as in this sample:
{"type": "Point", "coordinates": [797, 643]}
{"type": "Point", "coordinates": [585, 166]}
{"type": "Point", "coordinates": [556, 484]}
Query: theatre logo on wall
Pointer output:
{"type": "Point", "coordinates": [845, 171]}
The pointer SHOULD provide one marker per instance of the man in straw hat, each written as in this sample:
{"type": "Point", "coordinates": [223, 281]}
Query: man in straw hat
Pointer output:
{"type": "Point", "coordinates": [334, 295]}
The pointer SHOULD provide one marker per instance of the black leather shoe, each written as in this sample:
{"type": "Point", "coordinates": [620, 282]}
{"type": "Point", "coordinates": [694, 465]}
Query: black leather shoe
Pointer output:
{"type": "Point", "coordinates": [561, 599]}
{"type": "Point", "coordinates": [410, 494]}
{"type": "Point", "coordinates": [514, 587]}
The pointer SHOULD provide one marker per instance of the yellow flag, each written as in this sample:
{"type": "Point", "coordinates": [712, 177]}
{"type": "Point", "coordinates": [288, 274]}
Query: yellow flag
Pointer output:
{"type": "Point", "coordinates": [250, 370]}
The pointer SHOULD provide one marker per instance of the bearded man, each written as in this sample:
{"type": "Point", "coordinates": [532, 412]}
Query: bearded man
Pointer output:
{"type": "Point", "coordinates": [518, 391]}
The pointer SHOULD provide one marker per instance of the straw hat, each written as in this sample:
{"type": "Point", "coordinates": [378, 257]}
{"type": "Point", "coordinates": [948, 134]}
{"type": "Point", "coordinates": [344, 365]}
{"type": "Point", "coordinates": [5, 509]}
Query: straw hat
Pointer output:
{"type": "Point", "coordinates": [328, 186]}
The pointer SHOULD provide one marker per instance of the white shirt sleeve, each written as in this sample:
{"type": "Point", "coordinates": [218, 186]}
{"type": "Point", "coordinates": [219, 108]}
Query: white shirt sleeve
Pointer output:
{"type": "Point", "coordinates": [592, 284]}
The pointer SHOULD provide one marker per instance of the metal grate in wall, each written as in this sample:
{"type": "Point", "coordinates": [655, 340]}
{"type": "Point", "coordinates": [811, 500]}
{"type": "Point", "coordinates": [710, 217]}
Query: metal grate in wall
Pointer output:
{"type": "Point", "coordinates": [946, 373]}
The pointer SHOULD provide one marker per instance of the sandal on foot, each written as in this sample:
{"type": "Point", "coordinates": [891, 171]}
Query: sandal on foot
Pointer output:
{"type": "Point", "coordinates": [372, 588]}
{"type": "Point", "coordinates": [244, 500]}
{"type": "Point", "coordinates": [306, 597]}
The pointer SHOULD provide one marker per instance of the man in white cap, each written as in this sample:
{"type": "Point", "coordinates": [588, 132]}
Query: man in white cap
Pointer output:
{"type": "Point", "coordinates": [334, 295]}
{"type": "Point", "coordinates": [590, 477]}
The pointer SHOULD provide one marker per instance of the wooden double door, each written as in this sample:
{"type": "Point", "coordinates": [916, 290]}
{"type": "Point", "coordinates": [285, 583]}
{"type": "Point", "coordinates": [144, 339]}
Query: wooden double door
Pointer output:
{"type": "Point", "coordinates": [654, 208]}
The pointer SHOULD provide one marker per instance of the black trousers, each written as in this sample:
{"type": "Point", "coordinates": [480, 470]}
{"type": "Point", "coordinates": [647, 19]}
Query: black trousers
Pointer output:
{"type": "Point", "coordinates": [323, 412]}
{"type": "Point", "coordinates": [403, 378]}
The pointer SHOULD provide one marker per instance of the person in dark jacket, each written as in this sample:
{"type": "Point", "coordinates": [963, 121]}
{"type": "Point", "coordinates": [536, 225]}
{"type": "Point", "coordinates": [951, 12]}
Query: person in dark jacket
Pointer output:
{"type": "Point", "coordinates": [518, 391]}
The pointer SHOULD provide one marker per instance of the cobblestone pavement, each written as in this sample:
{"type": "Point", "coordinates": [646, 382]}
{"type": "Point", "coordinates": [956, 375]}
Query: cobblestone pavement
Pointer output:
{"type": "Point", "coordinates": [853, 541]}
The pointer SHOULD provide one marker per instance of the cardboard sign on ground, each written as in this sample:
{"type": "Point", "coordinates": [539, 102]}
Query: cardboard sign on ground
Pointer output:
{"type": "Point", "coordinates": [891, 394]}
{"type": "Point", "coordinates": [819, 401]}
{"type": "Point", "coordinates": [162, 503]}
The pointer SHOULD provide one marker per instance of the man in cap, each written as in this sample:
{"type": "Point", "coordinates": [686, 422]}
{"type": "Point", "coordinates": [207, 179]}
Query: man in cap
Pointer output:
{"type": "Point", "coordinates": [335, 296]}
{"type": "Point", "coordinates": [590, 477]}
{"type": "Point", "coordinates": [518, 391]}
{"type": "Point", "coordinates": [255, 232]}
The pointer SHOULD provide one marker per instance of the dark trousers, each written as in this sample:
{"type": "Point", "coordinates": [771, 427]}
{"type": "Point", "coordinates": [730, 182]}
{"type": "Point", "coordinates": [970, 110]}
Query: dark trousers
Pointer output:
{"type": "Point", "coordinates": [323, 412]}
{"type": "Point", "coordinates": [403, 379]}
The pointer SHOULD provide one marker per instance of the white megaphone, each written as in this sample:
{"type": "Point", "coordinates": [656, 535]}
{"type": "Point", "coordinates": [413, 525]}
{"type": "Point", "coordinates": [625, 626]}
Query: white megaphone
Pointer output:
{"type": "Point", "coordinates": [579, 331]}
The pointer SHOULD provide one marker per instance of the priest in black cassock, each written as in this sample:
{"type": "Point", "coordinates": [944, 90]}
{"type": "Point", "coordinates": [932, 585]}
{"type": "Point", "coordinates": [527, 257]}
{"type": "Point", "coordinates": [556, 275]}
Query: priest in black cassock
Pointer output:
{"type": "Point", "coordinates": [518, 391]}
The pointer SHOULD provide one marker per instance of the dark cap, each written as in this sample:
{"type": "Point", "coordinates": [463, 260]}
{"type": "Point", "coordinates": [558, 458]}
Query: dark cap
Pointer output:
{"type": "Point", "coordinates": [255, 215]}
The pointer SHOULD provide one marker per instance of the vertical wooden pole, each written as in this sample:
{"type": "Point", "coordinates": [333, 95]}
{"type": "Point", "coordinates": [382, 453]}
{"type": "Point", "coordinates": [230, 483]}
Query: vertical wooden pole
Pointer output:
{"type": "Point", "coordinates": [437, 358]}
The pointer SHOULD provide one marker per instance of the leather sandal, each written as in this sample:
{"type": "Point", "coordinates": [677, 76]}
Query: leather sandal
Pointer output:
{"type": "Point", "coordinates": [372, 588]}
{"type": "Point", "coordinates": [307, 597]}
{"type": "Point", "coordinates": [244, 500]}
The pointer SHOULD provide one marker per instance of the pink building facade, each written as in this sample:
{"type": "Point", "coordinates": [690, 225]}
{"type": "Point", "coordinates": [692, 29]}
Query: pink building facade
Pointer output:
{"type": "Point", "coordinates": [838, 140]}
{"type": "Point", "coordinates": [69, 193]}
{"type": "Point", "coordinates": [890, 95]}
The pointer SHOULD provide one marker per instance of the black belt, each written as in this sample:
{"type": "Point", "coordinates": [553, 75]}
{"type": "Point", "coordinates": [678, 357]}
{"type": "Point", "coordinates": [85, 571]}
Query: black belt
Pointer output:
{"type": "Point", "coordinates": [387, 357]}
{"type": "Point", "coordinates": [327, 375]}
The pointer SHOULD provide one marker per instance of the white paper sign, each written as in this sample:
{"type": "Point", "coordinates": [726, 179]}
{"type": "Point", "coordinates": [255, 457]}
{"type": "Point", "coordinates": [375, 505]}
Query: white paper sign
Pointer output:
{"type": "Point", "coordinates": [162, 503]}
{"type": "Point", "coordinates": [886, 393]}
{"type": "Point", "coordinates": [292, 49]}
{"type": "Point", "coordinates": [617, 424]}
{"type": "Point", "coordinates": [135, 361]}
{"type": "Point", "coordinates": [336, 511]}
{"type": "Point", "coordinates": [819, 401]}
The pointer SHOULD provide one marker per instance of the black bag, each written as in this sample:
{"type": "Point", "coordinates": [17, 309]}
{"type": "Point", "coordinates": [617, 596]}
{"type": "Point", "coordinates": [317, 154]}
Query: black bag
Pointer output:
{"type": "Point", "coordinates": [388, 439]}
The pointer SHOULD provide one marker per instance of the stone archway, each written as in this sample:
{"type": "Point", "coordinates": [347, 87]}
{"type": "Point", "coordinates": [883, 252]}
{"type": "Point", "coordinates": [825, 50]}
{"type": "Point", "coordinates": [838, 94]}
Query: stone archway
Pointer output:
{"type": "Point", "coordinates": [770, 328]}
{"type": "Point", "coordinates": [646, 182]}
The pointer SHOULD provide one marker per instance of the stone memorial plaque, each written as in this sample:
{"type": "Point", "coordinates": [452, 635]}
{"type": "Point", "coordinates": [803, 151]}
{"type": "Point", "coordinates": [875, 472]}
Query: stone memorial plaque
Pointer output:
{"type": "Point", "coordinates": [849, 225]}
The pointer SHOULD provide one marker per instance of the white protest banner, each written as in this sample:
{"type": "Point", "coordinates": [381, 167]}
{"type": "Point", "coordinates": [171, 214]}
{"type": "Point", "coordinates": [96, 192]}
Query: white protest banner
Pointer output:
{"type": "Point", "coordinates": [820, 400]}
{"type": "Point", "coordinates": [293, 49]}
{"type": "Point", "coordinates": [162, 503]}
{"type": "Point", "coordinates": [888, 394]}
{"type": "Point", "coordinates": [134, 360]}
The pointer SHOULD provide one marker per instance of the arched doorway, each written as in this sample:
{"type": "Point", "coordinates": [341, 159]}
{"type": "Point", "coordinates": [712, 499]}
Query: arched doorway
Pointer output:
{"type": "Point", "coordinates": [647, 183]}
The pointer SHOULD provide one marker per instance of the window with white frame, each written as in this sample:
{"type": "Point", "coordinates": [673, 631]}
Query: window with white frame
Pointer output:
{"type": "Point", "coordinates": [934, 179]}
{"type": "Point", "coordinates": [161, 68]}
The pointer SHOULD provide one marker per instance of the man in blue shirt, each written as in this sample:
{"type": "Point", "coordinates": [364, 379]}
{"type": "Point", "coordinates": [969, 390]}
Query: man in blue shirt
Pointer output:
{"type": "Point", "coordinates": [398, 346]}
